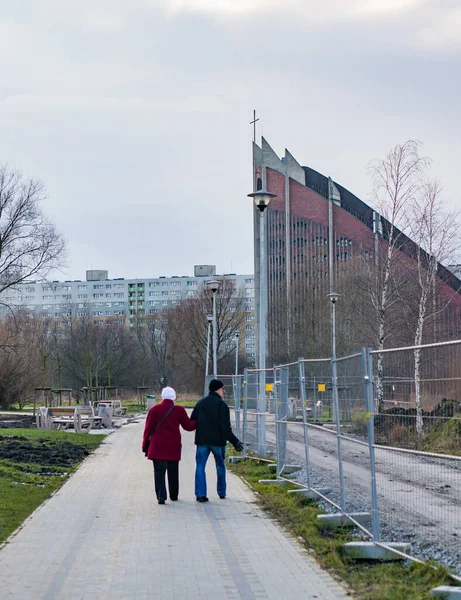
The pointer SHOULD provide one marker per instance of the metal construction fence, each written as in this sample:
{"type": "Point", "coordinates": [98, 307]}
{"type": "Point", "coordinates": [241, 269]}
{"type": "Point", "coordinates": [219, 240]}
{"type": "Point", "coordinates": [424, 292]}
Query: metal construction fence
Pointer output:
{"type": "Point", "coordinates": [377, 436]}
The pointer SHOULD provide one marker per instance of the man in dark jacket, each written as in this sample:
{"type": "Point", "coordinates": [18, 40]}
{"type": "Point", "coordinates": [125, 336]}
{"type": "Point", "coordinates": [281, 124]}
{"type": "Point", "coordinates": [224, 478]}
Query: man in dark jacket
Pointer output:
{"type": "Point", "coordinates": [213, 432]}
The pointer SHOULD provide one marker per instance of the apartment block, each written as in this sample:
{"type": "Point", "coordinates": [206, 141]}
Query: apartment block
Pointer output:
{"type": "Point", "coordinates": [124, 301]}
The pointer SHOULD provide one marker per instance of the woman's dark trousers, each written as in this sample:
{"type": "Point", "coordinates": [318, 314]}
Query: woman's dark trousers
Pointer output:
{"type": "Point", "coordinates": [172, 468]}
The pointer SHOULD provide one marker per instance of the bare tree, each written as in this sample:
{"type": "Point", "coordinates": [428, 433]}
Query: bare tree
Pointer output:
{"type": "Point", "coordinates": [436, 233]}
{"type": "Point", "coordinates": [397, 181]}
{"type": "Point", "coordinates": [29, 244]}
{"type": "Point", "coordinates": [190, 324]}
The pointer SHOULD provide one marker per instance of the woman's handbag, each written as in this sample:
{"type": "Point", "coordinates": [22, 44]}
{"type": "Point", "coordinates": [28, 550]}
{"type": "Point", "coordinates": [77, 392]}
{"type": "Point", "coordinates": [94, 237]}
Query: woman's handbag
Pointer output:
{"type": "Point", "coordinates": [145, 448]}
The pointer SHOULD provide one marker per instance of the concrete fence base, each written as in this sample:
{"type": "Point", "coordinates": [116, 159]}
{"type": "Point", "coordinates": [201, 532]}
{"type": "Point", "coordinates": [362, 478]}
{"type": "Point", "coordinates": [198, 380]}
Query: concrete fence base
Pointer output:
{"type": "Point", "coordinates": [370, 551]}
{"type": "Point", "coordinates": [447, 592]}
{"type": "Point", "coordinates": [340, 520]}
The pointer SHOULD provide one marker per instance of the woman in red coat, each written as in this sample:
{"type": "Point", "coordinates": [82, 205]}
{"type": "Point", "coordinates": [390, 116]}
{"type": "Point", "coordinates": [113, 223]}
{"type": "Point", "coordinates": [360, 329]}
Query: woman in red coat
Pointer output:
{"type": "Point", "coordinates": [162, 426]}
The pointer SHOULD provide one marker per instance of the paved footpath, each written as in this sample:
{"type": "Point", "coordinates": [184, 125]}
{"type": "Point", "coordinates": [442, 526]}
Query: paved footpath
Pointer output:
{"type": "Point", "coordinates": [103, 536]}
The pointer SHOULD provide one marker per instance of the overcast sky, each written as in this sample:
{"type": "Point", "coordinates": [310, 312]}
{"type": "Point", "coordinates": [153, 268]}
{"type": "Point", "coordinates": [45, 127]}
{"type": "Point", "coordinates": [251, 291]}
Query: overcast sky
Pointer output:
{"type": "Point", "coordinates": [135, 115]}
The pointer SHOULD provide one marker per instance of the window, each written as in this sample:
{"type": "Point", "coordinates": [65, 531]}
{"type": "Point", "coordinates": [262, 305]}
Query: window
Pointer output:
{"type": "Point", "coordinates": [119, 294]}
{"type": "Point", "coordinates": [249, 327]}
{"type": "Point", "coordinates": [46, 288]}
{"type": "Point", "coordinates": [192, 283]}
{"type": "Point", "coordinates": [30, 289]}
{"type": "Point", "coordinates": [66, 288]}
{"type": "Point", "coordinates": [29, 297]}
{"type": "Point", "coordinates": [82, 287]}
{"type": "Point", "coordinates": [249, 318]}
{"type": "Point", "coordinates": [98, 304]}
{"type": "Point", "coordinates": [164, 283]}
{"type": "Point", "coordinates": [249, 280]}
{"type": "Point", "coordinates": [165, 302]}
{"type": "Point", "coordinates": [82, 296]}
{"type": "Point", "coordinates": [43, 298]}
{"type": "Point", "coordinates": [175, 284]}
{"type": "Point", "coordinates": [81, 306]}
{"type": "Point", "coordinates": [164, 293]}
{"type": "Point", "coordinates": [108, 313]}
{"type": "Point", "coordinates": [67, 296]}
{"type": "Point", "coordinates": [81, 314]}
{"type": "Point", "coordinates": [98, 313]}
{"type": "Point", "coordinates": [98, 286]}
{"type": "Point", "coordinates": [154, 284]}
{"type": "Point", "coordinates": [108, 295]}
{"type": "Point", "coordinates": [118, 304]}
{"type": "Point", "coordinates": [152, 302]}
{"type": "Point", "coordinates": [108, 286]}
{"type": "Point", "coordinates": [98, 295]}
{"type": "Point", "coordinates": [119, 286]}
{"type": "Point", "coordinates": [153, 294]}
{"type": "Point", "coordinates": [108, 304]}
{"type": "Point", "coordinates": [118, 312]}
{"type": "Point", "coordinates": [175, 293]}
{"type": "Point", "coordinates": [47, 306]}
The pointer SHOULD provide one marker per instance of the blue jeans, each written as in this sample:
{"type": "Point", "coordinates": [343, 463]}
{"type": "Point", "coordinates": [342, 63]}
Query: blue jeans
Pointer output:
{"type": "Point", "coordinates": [201, 457]}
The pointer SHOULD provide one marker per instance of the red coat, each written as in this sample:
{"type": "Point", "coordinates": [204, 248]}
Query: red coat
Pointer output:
{"type": "Point", "coordinates": [166, 441]}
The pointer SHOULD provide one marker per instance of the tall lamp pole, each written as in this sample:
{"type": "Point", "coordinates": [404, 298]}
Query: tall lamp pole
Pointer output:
{"type": "Point", "coordinates": [262, 199]}
{"type": "Point", "coordinates": [237, 353]}
{"type": "Point", "coordinates": [333, 296]}
{"type": "Point", "coordinates": [209, 318]}
{"type": "Point", "coordinates": [214, 286]}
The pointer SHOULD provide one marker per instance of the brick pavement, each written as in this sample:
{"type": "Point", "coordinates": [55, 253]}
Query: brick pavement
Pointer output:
{"type": "Point", "coordinates": [103, 536]}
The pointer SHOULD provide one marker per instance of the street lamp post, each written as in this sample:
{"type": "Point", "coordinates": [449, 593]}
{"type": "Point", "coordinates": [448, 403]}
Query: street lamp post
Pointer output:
{"type": "Point", "coordinates": [214, 286]}
{"type": "Point", "coordinates": [333, 296]}
{"type": "Point", "coordinates": [209, 318]}
{"type": "Point", "coordinates": [262, 199]}
{"type": "Point", "coordinates": [237, 353]}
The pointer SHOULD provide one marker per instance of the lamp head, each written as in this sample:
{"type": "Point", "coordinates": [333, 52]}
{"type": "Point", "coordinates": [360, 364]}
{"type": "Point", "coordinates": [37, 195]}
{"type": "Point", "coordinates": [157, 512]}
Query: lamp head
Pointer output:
{"type": "Point", "coordinates": [209, 318]}
{"type": "Point", "coordinates": [333, 297]}
{"type": "Point", "coordinates": [262, 198]}
{"type": "Point", "coordinates": [213, 285]}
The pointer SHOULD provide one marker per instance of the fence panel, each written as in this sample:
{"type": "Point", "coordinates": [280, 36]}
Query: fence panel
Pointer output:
{"type": "Point", "coordinates": [353, 432]}
{"type": "Point", "coordinates": [418, 448]}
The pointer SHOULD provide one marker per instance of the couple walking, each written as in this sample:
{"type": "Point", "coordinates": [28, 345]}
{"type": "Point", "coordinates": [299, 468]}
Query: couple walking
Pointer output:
{"type": "Point", "coordinates": [162, 440]}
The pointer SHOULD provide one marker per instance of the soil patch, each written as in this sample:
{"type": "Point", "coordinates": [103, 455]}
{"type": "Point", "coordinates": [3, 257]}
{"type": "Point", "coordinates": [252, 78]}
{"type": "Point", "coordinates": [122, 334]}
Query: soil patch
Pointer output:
{"type": "Point", "coordinates": [41, 451]}
{"type": "Point", "coordinates": [17, 422]}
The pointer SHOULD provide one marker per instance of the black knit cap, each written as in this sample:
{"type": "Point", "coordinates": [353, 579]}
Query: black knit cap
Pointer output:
{"type": "Point", "coordinates": [215, 385]}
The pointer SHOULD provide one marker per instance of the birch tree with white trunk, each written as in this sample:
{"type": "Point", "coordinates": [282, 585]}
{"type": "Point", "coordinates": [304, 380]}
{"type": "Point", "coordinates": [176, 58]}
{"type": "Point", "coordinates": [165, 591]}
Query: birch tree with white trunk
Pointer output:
{"type": "Point", "coordinates": [436, 233]}
{"type": "Point", "coordinates": [397, 181]}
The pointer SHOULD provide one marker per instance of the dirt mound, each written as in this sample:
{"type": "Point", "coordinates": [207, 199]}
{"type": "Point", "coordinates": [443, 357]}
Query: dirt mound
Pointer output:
{"type": "Point", "coordinates": [17, 422]}
{"type": "Point", "coordinates": [41, 451]}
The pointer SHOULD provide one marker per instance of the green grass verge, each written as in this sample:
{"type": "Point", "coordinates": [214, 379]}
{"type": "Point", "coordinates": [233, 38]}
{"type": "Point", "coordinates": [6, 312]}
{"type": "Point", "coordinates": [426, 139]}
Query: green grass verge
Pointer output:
{"type": "Point", "coordinates": [50, 457]}
{"type": "Point", "coordinates": [368, 580]}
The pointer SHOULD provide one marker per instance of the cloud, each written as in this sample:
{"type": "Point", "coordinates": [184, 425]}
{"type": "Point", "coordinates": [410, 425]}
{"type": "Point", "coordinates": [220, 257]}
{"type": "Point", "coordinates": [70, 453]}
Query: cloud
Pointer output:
{"type": "Point", "coordinates": [312, 10]}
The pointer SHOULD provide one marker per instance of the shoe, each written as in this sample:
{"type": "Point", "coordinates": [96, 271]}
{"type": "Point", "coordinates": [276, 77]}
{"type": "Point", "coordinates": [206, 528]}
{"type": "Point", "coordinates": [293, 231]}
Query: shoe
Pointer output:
{"type": "Point", "coordinates": [161, 501]}
{"type": "Point", "coordinates": [202, 499]}
{"type": "Point", "coordinates": [222, 497]}
{"type": "Point", "coordinates": [174, 499]}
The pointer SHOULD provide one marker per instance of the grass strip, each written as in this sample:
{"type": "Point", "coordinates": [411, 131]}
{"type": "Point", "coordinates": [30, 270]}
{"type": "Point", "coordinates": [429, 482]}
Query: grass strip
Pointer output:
{"type": "Point", "coordinates": [33, 465]}
{"type": "Point", "coordinates": [368, 580]}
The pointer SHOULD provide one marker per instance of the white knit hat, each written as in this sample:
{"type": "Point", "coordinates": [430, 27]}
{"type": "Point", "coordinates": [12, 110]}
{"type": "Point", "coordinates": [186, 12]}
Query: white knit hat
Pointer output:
{"type": "Point", "coordinates": [168, 393]}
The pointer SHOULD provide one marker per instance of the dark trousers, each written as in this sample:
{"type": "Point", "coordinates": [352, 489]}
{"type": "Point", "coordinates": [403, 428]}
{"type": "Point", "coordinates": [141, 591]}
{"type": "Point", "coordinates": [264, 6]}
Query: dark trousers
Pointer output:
{"type": "Point", "coordinates": [172, 468]}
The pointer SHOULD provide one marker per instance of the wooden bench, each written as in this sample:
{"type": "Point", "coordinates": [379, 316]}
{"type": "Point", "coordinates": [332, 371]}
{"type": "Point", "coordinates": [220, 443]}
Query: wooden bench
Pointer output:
{"type": "Point", "coordinates": [81, 418]}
